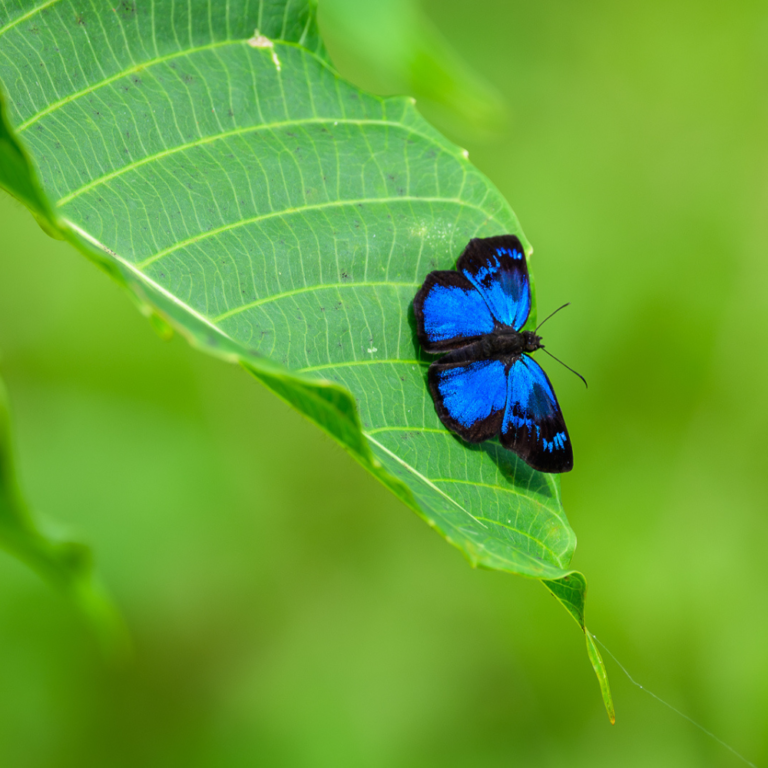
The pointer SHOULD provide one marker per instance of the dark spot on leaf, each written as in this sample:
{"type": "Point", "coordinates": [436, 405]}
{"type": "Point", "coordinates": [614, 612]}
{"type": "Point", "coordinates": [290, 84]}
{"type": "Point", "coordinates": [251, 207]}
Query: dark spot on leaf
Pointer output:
{"type": "Point", "coordinates": [127, 9]}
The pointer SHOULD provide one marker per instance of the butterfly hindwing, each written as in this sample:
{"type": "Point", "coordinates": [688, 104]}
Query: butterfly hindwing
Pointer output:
{"type": "Point", "coordinates": [533, 425]}
{"type": "Point", "coordinates": [469, 394]}
{"type": "Point", "coordinates": [496, 266]}
{"type": "Point", "coordinates": [450, 312]}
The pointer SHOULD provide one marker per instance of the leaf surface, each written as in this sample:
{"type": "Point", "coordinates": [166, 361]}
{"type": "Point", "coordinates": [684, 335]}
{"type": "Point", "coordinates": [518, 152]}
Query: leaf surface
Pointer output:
{"type": "Point", "coordinates": [211, 160]}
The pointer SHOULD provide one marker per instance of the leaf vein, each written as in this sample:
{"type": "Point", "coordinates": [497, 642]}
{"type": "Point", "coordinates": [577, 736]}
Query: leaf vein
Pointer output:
{"type": "Point", "coordinates": [300, 210]}
{"type": "Point", "coordinates": [306, 289]}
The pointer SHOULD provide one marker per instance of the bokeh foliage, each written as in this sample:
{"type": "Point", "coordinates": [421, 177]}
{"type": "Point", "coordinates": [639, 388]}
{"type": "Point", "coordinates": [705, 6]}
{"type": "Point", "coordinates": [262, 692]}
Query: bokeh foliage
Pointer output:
{"type": "Point", "coordinates": [625, 177]}
{"type": "Point", "coordinates": [67, 565]}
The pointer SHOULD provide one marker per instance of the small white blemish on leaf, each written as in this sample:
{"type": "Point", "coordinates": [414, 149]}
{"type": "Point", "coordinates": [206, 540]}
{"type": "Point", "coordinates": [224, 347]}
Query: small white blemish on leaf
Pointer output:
{"type": "Point", "coordinates": [259, 41]}
{"type": "Point", "coordinates": [371, 350]}
{"type": "Point", "coordinates": [465, 153]}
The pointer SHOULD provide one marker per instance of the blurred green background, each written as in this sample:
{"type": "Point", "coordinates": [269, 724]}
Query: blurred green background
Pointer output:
{"type": "Point", "coordinates": [289, 611]}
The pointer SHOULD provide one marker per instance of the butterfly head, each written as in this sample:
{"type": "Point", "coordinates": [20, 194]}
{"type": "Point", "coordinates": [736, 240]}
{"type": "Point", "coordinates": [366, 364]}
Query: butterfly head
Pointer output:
{"type": "Point", "coordinates": [531, 342]}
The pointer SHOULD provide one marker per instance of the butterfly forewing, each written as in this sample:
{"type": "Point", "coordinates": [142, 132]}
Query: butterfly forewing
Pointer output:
{"type": "Point", "coordinates": [450, 312]}
{"type": "Point", "coordinates": [533, 425]}
{"type": "Point", "coordinates": [496, 266]}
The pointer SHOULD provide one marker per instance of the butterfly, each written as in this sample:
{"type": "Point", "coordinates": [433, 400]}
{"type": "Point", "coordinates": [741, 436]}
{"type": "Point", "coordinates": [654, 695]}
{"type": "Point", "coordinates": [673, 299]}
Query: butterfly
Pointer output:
{"type": "Point", "coordinates": [487, 384]}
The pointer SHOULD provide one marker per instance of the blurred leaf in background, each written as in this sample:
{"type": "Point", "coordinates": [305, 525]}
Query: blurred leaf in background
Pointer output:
{"type": "Point", "coordinates": [394, 48]}
{"type": "Point", "coordinates": [66, 565]}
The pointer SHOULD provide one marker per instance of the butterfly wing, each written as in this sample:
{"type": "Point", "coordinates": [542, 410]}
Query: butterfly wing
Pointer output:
{"type": "Point", "coordinates": [469, 393]}
{"type": "Point", "coordinates": [450, 313]}
{"type": "Point", "coordinates": [496, 266]}
{"type": "Point", "coordinates": [533, 425]}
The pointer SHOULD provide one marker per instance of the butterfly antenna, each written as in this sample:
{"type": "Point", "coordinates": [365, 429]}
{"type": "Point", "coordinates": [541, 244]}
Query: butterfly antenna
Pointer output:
{"type": "Point", "coordinates": [567, 366]}
{"type": "Point", "coordinates": [550, 315]}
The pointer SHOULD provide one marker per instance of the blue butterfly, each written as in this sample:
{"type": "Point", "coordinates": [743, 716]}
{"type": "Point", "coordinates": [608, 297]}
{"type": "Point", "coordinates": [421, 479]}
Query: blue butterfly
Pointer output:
{"type": "Point", "coordinates": [487, 384]}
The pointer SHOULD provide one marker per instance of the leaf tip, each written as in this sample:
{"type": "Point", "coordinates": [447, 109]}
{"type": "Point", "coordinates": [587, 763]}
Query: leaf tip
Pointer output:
{"type": "Point", "coordinates": [602, 677]}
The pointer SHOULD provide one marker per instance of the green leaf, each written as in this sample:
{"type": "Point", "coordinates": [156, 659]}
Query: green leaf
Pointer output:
{"type": "Point", "coordinates": [67, 565]}
{"type": "Point", "coordinates": [209, 158]}
{"type": "Point", "coordinates": [571, 591]}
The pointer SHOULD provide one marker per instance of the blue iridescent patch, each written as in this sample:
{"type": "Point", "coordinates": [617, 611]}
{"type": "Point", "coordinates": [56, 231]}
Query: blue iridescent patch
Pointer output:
{"type": "Point", "coordinates": [474, 392]}
{"type": "Point", "coordinates": [452, 311]}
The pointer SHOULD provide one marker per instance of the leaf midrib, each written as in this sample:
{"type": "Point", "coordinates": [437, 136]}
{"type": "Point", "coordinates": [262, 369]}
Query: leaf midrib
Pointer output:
{"type": "Point", "coordinates": [523, 555]}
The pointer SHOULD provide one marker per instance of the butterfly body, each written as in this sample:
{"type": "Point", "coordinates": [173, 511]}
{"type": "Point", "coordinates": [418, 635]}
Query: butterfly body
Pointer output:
{"type": "Point", "coordinates": [501, 343]}
{"type": "Point", "coordinates": [486, 384]}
